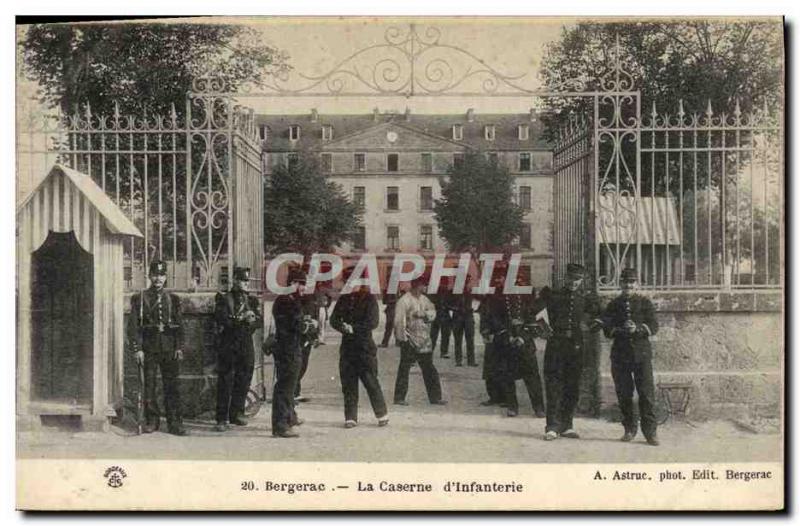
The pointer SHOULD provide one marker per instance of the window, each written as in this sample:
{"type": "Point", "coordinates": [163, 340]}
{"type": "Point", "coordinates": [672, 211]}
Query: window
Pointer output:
{"type": "Point", "coordinates": [263, 132]}
{"type": "Point", "coordinates": [525, 162]}
{"type": "Point", "coordinates": [426, 198]}
{"type": "Point", "coordinates": [359, 197]}
{"type": "Point", "coordinates": [525, 197]}
{"type": "Point", "coordinates": [491, 157]}
{"type": "Point", "coordinates": [294, 132]}
{"type": "Point", "coordinates": [488, 132]}
{"type": "Point", "coordinates": [393, 237]}
{"type": "Point", "coordinates": [359, 162]}
{"type": "Point", "coordinates": [426, 237]}
{"type": "Point", "coordinates": [525, 236]}
{"type": "Point", "coordinates": [360, 238]}
{"type": "Point", "coordinates": [392, 198]}
{"type": "Point", "coordinates": [458, 132]}
{"type": "Point", "coordinates": [291, 159]}
{"type": "Point", "coordinates": [327, 163]}
{"type": "Point", "coordinates": [327, 132]}
{"type": "Point", "coordinates": [522, 132]}
{"type": "Point", "coordinates": [427, 163]}
{"type": "Point", "coordinates": [392, 161]}
{"type": "Point", "coordinates": [458, 160]}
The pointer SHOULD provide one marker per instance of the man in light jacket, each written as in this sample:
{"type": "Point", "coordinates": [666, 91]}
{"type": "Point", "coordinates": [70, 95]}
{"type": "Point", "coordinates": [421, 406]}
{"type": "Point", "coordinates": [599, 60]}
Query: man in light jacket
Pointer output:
{"type": "Point", "coordinates": [412, 325]}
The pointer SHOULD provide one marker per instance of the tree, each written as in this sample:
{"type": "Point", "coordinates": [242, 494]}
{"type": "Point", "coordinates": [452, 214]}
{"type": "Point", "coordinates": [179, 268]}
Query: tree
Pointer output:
{"type": "Point", "coordinates": [145, 68]}
{"type": "Point", "coordinates": [694, 61]}
{"type": "Point", "coordinates": [304, 212]}
{"type": "Point", "coordinates": [477, 209]}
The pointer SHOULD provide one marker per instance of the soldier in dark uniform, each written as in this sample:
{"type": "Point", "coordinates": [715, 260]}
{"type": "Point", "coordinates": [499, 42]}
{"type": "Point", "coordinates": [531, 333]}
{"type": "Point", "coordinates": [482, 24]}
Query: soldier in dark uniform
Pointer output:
{"type": "Point", "coordinates": [630, 319]}
{"type": "Point", "coordinates": [569, 310]}
{"type": "Point", "coordinates": [155, 333]}
{"type": "Point", "coordinates": [491, 365]}
{"type": "Point", "coordinates": [443, 301]}
{"type": "Point", "coordinates": [389, 304]}
{"type": "Point", "coordinates": [310, 305]}
{"type": "Point", "coordinates": [505, 322]}
{"type": "Point", "coordinates": [356, 316]}
{"type": "Point", "coordinates": [290, 326]}
{"type": "Point", "coordinates": [464, 325]}
{"type": "Point", "coordinates": [237, 314]}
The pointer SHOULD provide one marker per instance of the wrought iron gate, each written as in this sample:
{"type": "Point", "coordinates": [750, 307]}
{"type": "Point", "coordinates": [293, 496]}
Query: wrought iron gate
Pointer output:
{"type": "Point", "coordinates": [691, 201]}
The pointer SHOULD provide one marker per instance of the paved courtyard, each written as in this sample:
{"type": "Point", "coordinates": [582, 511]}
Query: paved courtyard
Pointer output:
{"type": "Point", "coordinates": [462, 431]}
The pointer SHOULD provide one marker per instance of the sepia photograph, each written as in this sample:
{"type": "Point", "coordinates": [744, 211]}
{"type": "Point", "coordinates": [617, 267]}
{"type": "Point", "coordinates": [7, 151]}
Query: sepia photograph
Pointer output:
{"type": "Point", "coordinates": [400, 263]}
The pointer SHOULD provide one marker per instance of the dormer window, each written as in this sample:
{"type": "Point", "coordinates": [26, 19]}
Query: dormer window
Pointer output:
{"type": "Point", "coordinates": [523, 132]}
{"type": "Point", "coordinates": [327, 132]}
{"type": "Point", "coordinates": [488, 132]}
{"type": "Point", "coordinates": [294, 132]}
{"type": "Point", "coordinates": [263, 132]}
{"type": "Point", "coordinates": [458, 132]}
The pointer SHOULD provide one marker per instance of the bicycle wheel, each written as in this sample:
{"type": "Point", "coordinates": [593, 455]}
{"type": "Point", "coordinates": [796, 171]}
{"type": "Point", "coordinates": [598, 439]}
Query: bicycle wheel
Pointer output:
{"type": "Point", "coordinates": [662, 409]}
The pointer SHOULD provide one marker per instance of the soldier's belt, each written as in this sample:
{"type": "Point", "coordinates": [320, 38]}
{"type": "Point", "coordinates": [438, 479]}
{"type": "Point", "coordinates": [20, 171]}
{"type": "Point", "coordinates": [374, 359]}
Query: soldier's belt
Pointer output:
{"type": "Point", "coordinates": [568, 333]}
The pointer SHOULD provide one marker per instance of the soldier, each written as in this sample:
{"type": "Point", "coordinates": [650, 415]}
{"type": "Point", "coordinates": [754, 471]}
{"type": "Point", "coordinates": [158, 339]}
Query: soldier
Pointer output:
{"type": "Point", "coordinates": [310, 305]}
{"type": "Point", "coordinates": [630, 320]}
{"type": "Point", "coordinates": [443, 323]}
{"type": "Point", "coordinates": [505, 324]}
{"type": "Point", "coordinates": [238, 315]}
{"type": "Point", "coordinates": [413, 316]}
{"type": "Point", "coordinates": [389, 304]}
{"type": "Point", "coordinates": [289, 329]}
{"type": "Point", "coordinates": [155, 333]}
{"type": "Point", "coordinates": [356, 316]}
{"type": "Point", "coordinates": [568, 310]}
{"type": "Point", "coordinates": [491, 363]}
{"type": "Point", "coordinates": [464, 325]}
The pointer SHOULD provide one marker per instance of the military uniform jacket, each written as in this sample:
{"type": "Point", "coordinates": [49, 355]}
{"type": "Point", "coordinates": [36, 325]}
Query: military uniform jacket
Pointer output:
{"type": "Point", "coordinates": [630, 347]}
{"type": "Point", "coordinates": [497, 311]}
{"type": "Point", "coordinates": [155, 323]}
{"type": "Point", "coordinates": [288, 313]}
{"type": "Point", "coordinates": [233, 330]}
{"type": "Point", "coordinates": [360, 310]}
{"type": "Point", "coordinates": [568, 313]}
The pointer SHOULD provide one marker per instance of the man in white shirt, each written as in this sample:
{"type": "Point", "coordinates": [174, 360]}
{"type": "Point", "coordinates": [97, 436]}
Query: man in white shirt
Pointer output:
{"type": "Point", "coordinates": [412, 324]}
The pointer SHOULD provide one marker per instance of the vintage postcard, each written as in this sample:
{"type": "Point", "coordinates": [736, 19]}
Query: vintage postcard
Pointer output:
{"type": "Point", "coordinates": [400, 264]}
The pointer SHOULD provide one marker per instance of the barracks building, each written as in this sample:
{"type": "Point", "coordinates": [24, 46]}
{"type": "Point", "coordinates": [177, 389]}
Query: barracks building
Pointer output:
{"type": "Point", "coordinates": [389, 164]}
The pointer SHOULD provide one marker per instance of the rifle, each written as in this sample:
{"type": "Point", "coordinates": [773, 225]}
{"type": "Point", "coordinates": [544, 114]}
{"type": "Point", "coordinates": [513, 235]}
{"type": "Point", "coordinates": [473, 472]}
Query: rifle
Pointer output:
{"type": "Point", "coordinates": [140, 400]}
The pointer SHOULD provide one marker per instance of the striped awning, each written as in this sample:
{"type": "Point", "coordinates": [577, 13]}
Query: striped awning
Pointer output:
{"type": "Point", "coordinates": [657, 220]}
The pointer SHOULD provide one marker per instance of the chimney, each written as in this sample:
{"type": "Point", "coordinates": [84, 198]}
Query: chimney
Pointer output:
{"type": "Point", "coordinates": [470, 115]}
{"type": "Point", "coordinates": [408, 114]}
{"type": "Point", "coordinates": [375, 114]}
{"type": "Point", "coordinates": [314, 115]}
{"type": "Point", "coordinates": [533, 115]}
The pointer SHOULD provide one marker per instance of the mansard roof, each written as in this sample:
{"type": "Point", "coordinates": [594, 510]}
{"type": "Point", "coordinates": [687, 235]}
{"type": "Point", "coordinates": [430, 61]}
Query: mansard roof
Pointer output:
{"type": "Point", "coordinates": [441, 126]}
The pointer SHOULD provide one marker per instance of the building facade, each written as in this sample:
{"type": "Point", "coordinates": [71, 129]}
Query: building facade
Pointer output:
{"type": "Point", "coordinates": [390, 164]}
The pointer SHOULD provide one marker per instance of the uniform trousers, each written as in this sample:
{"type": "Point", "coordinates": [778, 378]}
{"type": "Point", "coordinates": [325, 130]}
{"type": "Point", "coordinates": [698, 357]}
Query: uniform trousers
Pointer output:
{"type": "Point", "coordinates": [409, 355]}
{"type": "Point", "coordinates": [170, 369]}
{"type": "Point", "coordinates": [628, 374]}
{"type": "Point", "coordinates": [364, 367]}
{"type": "Point", "coordinates": [563, 366]}
{"type": "Point", "coordinates": [287, 368]}
{"type": "Point", "coordinates": [464, 328]}
{"type": "Point", "coordinates": [235, 366]}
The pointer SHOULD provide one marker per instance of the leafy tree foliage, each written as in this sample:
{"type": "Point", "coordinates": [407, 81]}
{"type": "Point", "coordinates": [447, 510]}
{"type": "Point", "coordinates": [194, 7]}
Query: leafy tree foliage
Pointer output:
{"type": "Point", "coordinates": [304, 212]}
{"type": "Point", "coordinates": [145, 68]}
{"type": "Point", "coordinates": [694, 61]}
{"type": "Point", "coordinates": [477, 209]}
